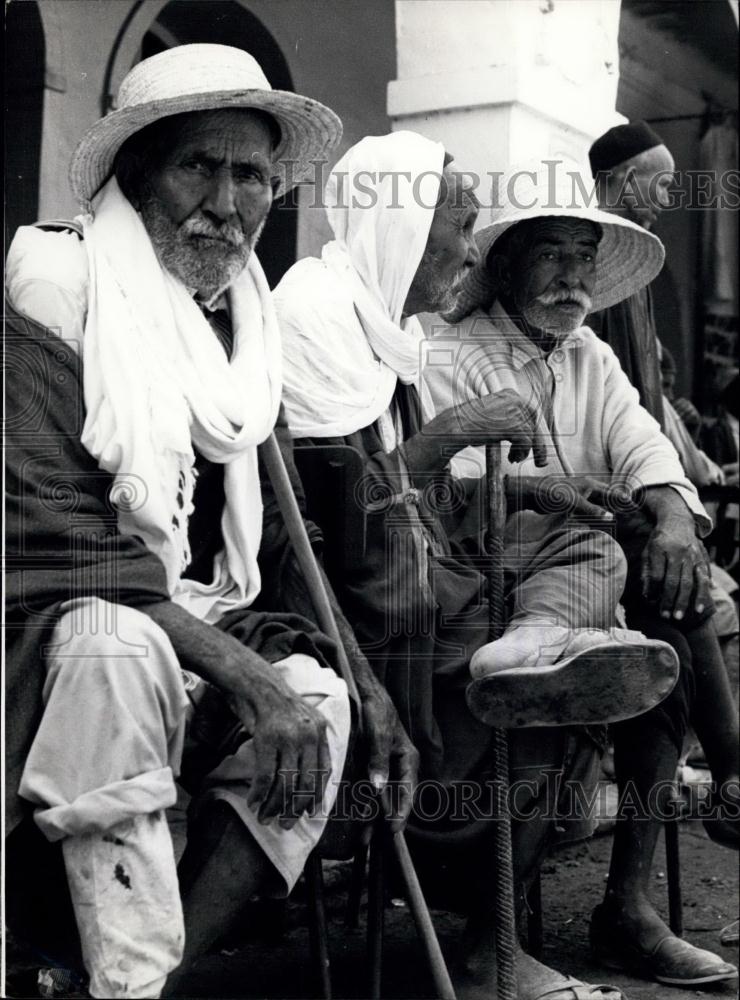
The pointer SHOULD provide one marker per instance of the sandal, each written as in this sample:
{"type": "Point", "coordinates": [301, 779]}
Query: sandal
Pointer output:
{"type": "Point", "coordinates": [567, 985]}
{"type": "Point", "coordinates": [672, 961]}
{"type": "Point", "coordinates": [606, 683]}
{"type": "Point", "coordinates": [579, 990]}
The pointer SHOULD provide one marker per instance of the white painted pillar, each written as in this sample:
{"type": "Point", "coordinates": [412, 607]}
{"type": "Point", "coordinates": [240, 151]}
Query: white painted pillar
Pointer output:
{"type": "Point", "coordinates": [504, 81]}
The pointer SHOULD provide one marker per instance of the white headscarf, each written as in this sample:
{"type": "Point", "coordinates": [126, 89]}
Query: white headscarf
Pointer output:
{"type": "Point", "coordinates": [157, 381]}
{"type": "Point", "coordinates": [345, 343]}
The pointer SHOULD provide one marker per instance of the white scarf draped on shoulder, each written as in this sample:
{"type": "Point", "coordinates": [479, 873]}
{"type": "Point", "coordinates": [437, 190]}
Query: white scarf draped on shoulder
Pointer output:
{"type": "Point", "coordinates": [157, 383]}
{"type": "Point", "coordinates": [345, 341]}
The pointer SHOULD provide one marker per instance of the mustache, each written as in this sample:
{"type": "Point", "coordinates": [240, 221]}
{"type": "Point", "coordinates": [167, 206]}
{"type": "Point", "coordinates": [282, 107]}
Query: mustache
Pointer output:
{"type": "Point", "coordinates": [227, 233]}
{"type": "Point", "coordinates": [572, 297]}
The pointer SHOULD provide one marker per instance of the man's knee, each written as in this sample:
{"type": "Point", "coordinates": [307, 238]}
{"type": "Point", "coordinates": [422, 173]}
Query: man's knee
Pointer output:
{"type": "Point", "coordinates": [98, 645]}
{"type": "Point", "coordinates": [609, 552]}
{"type": "Point", "coordinates": [119, 669]}
{"type": "Point", "coordinates": [602, 557]}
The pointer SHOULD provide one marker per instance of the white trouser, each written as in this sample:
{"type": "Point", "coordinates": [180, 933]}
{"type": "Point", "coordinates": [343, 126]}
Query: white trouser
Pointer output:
{"type": "Point", "coordinates": [101, 770]}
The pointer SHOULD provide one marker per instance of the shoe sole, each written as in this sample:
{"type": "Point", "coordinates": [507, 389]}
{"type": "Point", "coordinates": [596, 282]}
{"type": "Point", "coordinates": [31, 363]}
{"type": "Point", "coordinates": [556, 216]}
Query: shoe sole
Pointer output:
{"type": "Point", "coordinates": [608, 683]}
{"type": "Point", "coordinates": [702, 980]}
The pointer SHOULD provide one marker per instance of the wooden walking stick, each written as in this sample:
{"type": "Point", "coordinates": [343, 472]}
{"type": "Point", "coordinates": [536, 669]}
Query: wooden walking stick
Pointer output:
{"type": "Point", "coordinates": [270, 452]}
{"type": "Point", "coordinates": [504, 879]}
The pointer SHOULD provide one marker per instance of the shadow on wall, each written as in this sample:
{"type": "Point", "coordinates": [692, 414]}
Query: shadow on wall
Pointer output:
{"type": "Point", "coordinates": [24, 105]}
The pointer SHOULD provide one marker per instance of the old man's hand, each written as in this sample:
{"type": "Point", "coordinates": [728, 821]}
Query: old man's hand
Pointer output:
{"type": "Point", "coordinates": [292, 762]}
{"type": "Point", "coordinates": [500, 416]}
{"type": "Point", "coordinates": [572, 495]}
{"type": "Point", "coordinates": [391, 754]}
{"type": "Point", "coordinates": [675, 570]}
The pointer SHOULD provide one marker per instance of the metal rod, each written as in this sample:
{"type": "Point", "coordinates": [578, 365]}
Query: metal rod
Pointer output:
{"type": "Point", "coordinates": [505, 922]}
{"type": "Point", "coordinates": [354, 899]}
{"type": "Point", "coordinates": [496, 526]}
{"type": "Point", "coordinates": [376, 912]}
{"type": "Point", "coordinates": [317, 927]}
{"type": "Point", "coordinates": [534, 918]}
{"type": "Point", "coordinates": [673, 872]}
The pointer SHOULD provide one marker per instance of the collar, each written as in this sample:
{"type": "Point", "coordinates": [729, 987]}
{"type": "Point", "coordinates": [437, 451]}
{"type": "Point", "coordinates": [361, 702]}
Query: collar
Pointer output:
{"type": "Point", "coordinates": [520, 348]}
{"type": "Point", "coordinates": [219, 301]}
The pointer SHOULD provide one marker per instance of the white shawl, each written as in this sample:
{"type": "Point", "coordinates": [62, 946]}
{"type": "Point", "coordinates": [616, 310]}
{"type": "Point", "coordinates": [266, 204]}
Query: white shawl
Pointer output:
{"type": "Point", "coordinates": [157, 382]}
{"type": "Point", "coordinates": [345, 343]}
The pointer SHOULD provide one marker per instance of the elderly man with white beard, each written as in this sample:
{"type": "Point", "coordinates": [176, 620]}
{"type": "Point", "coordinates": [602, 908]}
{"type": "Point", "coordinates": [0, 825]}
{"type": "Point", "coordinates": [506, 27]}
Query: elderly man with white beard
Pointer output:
{"type": "Point", "coordinates": [158, 627]}
{"type": "Point", "coordinates": [519, 325]}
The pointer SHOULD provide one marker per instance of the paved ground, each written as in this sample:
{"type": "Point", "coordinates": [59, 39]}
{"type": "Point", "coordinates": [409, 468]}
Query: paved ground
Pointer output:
{"type": "Point", "coordinates": [271, 958]}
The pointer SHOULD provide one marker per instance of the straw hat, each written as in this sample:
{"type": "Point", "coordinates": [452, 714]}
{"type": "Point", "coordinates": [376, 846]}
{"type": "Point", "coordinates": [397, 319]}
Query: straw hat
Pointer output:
{"type": "Point", "coordinates": [629, 257]}
{"type": "Point", "coordinates": [202, 78]}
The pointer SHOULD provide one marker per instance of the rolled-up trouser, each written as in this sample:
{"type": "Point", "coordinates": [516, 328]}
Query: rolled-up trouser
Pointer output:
{"type": "Point", "coordinates": [102, 771]}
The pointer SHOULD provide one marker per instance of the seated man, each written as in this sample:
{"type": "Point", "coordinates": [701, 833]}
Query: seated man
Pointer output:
{"type": "Point", "coordinates": [518, 326]}
{"type": "Point", "coordinates": [144, 372]}
{"type": "Point", "coordinates": [403, 225]}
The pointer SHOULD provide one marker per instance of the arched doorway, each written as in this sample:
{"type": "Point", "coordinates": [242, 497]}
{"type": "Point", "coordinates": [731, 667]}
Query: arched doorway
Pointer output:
{"type": "Point", "coordinates": [226, 22]}
{"type": "Point", "coordinates": [24, 108]}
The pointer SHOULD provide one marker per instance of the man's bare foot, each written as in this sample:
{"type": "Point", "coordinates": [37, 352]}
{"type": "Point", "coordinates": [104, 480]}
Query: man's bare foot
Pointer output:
{"type": "Point", "coordinates": [535, 981]}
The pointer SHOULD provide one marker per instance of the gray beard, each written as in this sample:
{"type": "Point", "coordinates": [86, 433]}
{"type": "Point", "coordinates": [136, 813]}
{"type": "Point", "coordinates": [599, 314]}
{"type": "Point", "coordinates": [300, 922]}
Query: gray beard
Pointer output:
{"type": "Point", "coordinates": [205, 265]}
{"type": "Point", "coordinates": [440, 296]}
{"type": "Point", "coordinates": [553, 320]}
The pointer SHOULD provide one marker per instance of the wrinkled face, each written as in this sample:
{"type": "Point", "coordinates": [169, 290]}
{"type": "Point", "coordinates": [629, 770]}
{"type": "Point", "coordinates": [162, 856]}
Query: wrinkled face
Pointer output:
{"type": "Point", "coordinates": [450, 251]}
{"type": "Point", "coordinates": [208, 198]}
{"type": "Point", "coordinates": [548, 272]}
{"type": "Point", "coordinates": [640, 187]}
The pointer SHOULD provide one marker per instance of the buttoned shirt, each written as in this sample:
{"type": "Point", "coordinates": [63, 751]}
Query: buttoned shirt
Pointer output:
{"type": "Point", "coordinates": [587, 411]}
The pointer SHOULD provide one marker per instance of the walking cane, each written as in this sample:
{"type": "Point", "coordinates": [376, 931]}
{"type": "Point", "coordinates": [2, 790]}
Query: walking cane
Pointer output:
{"type": "Point", "coordinates": [270, 452]}
{"type": "Point", "coordinates": [505, 922]}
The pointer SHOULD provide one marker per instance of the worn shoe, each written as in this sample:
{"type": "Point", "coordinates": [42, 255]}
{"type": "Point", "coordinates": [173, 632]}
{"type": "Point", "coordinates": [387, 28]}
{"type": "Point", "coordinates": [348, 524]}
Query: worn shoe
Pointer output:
{"type": "Point", "coordinates": [671, 961]}
{"type": "Point", "coordinates": [607, 682]}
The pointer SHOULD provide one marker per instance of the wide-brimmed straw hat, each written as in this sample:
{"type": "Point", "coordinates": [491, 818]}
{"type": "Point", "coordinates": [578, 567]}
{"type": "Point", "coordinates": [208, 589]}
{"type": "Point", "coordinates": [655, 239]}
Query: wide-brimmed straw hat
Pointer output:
{"type": "Point", "coordinates": [203, 78]}
{"type": "Point", "coordinates": [628, 257]}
